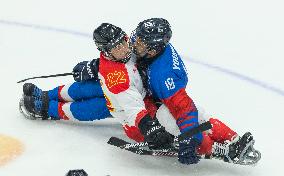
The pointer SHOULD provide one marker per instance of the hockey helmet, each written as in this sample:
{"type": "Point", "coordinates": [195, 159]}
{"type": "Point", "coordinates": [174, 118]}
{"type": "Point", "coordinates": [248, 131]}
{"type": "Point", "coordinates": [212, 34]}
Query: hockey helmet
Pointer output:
{"type": "Point", "coordinates": [155, 33]}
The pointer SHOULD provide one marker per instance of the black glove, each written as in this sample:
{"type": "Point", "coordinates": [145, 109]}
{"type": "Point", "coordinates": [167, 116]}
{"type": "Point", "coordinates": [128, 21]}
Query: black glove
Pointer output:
{"type": "Point", "coordinates": [187, 151]}
{"type": "Point", "coordinates": [155, 134]}
{"type": "Point", "coordinates": [86, 70]}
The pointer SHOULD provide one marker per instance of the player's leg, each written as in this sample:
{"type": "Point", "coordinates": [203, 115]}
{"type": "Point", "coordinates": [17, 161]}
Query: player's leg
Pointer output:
{"type": "Point", "coordinates": [225, 142]}
{"type": "Point", "coordinates": [86, 110]}
{"type": "Point", "coordinates": [76, 91]}
{"type": "Point", "coordinates": [67, 93]}
{"type": "Point", "coordinates": [221, 132]}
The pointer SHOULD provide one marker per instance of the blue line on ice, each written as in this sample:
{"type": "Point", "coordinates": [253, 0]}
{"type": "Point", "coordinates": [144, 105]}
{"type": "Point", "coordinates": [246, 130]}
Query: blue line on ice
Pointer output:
{"type": "Point", "coordinates": [45, 28]}
{"type": "Point", "coordinates": [210, 66]}
{"type": "Point", "coordinates": [240, 76]}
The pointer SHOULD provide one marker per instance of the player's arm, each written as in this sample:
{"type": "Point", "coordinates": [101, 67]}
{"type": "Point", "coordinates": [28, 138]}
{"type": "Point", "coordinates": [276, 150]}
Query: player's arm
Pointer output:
{"type": "Point", "coordinates": [170, 88]}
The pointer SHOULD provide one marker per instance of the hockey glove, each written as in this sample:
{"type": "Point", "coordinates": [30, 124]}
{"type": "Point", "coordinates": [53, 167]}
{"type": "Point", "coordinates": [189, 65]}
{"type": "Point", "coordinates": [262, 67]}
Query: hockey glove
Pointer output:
{"type": "Point", "coordinates": [86, 70]}
{"type": "Point", "coordinates": [155, 134]}
{"type": "Point", "coordinates": [187, 151]}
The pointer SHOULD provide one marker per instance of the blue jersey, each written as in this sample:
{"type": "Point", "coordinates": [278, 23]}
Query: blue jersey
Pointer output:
{"type": "Point", "coordinates": [167, 74]}
{"type": "Point", "coordinates": [167, 80]}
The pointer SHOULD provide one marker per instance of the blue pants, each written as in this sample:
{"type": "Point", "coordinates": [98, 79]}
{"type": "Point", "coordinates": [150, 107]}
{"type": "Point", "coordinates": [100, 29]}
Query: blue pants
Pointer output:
{"type": "Point", "coordinates": [83, 101]}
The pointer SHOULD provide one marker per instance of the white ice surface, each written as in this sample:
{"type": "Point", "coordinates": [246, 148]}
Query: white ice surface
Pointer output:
{"type": "Point", "coordinates": [244, 36]}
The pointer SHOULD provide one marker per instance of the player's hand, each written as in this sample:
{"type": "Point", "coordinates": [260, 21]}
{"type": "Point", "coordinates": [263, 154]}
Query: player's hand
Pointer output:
{"type": "Point", "coordinates": [155, 134]}
{"type": "Point", "coordinates": [187, 151]}
{"type": "Point", "coordinates": [84, 71]}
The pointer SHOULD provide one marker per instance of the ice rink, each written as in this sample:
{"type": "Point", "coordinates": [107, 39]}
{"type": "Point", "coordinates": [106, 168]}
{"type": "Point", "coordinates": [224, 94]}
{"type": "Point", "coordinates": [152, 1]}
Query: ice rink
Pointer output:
{"type": "Point", "coordinates": [233, 51]}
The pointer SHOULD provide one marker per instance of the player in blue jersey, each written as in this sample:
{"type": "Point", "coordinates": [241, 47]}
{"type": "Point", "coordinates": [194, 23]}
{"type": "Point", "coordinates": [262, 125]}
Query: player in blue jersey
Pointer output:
{"type": "Point", "coordinates": [165, 77]}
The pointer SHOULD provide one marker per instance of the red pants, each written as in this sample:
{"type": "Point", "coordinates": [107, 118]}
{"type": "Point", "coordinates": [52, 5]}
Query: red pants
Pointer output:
{"type": "Point", "coordinates": [219, 133]}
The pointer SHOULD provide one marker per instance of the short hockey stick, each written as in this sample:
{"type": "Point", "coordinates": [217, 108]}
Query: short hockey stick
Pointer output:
{"type": "Point", "coordinates": [56, 75]}
{"type": "Point", "coordinates": [202, 127]}
{"type": "Point", "coordinates": [136, 147]}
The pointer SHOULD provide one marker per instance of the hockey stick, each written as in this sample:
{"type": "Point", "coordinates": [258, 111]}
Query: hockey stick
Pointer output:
{"type": "Point", "coordinates": [202, 127]}
{"type": "Point", "coordinates": [56, 75]}
{"type": "Point", "coordinates": [173, 152]}
{"type": "Point", "coordinates": [137, 150]}
{"type": "Point", "coordinates": [136, 147]}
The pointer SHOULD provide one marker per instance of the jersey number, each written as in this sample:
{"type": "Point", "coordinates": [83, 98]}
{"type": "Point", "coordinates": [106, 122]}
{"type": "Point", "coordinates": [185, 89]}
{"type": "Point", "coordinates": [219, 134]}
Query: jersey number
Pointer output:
{"type": "Point", "coordinates": [170, 83]}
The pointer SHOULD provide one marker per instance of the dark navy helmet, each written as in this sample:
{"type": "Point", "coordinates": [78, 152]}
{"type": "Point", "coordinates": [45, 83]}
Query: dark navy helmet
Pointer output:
{"type": "Point", "coordinates": [155, 33]}
{"type": "Point", "coordinates": [108, 36]}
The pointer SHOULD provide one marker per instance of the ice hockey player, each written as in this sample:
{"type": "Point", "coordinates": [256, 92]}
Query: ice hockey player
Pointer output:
{"type": "Point", "coordinates": [123, 93]}
{"type": "Point", "coordinates": [165, 78]}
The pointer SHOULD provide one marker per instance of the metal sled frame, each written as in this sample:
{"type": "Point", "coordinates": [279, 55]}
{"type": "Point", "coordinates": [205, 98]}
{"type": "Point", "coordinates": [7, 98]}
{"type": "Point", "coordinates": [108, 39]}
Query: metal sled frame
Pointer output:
{"type": "Point", "coordinates": [249, 156]}
{"type": "Point", "coordinates": [25, 112]}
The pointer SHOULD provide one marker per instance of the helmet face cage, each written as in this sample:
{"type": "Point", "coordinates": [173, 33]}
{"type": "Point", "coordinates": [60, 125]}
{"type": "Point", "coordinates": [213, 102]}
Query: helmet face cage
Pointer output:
{"type": "Point", "coordinates": [155, 33]}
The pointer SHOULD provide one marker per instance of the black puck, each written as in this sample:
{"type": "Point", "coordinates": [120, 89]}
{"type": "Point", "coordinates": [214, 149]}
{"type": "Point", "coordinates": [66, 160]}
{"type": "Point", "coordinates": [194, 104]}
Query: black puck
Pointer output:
{"type": "Point", "coordinates": [78, 172]}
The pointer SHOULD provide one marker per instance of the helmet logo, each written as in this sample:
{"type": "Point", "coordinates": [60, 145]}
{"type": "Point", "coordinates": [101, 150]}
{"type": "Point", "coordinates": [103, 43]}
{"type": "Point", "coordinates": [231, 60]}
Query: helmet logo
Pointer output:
{"type": "Point", "coordinates": [133, 37]}
{"type": "Point", "coordinates": [148, 24]}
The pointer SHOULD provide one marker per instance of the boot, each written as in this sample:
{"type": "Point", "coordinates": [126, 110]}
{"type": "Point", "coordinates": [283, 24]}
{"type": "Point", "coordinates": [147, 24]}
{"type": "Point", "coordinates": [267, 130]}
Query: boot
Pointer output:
{"type": "Point", "coordinates": [230, 151]}
{"type": "Point", "coordinates": [30, 89]}
{"type": "Point", "coordinates": [36, 107]}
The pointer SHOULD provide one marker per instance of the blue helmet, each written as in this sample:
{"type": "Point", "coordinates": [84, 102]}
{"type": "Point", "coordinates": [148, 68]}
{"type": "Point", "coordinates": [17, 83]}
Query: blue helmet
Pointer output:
{"type": "Point", "coordinates": [155, 33]}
